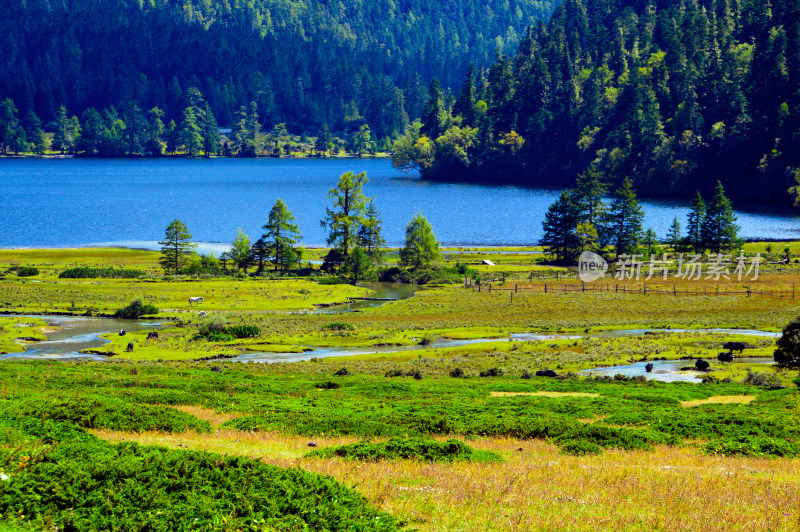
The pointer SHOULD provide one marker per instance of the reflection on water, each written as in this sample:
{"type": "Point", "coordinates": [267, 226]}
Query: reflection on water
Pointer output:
{"type": "Point", "coordinates": [384, 291]}
{"type": "Point", "coordinates": [76, 334]}
{"type": "Point", "coordinates": [667, 370]}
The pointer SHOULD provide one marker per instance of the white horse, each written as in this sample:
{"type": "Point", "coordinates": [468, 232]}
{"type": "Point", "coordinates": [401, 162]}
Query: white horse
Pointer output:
{"type": "Point", "coordinates": [193, 300]}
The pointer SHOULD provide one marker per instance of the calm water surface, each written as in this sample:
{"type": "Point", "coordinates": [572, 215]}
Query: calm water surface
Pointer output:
{"type": "Point", "coordinates": [75, 202]}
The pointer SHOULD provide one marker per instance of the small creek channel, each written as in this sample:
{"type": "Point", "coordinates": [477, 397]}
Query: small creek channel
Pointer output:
{"type": "Point", "coordinates": [78, 333]}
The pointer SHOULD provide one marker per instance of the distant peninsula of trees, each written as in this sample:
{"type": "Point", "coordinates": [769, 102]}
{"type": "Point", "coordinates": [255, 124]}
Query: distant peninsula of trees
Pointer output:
{"type": "Point", "coordinates": [674, 94]}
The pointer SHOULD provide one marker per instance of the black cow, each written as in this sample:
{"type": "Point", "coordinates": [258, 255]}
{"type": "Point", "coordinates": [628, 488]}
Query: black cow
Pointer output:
{"type": "Point", "coordinates": [152, 335]}
{"type": "Point", "coordinates": [725, 357]}
{"type": "Point", "coordinates": [701, 365]}
{"type": "Point", "coordinates": [546, 373]}
{"type": "Point", "coordinates": [130, 347]}
{"type": "Point", "coordinates": [649, 367]}
{"type": "Point", "coordinates": [734, 346]}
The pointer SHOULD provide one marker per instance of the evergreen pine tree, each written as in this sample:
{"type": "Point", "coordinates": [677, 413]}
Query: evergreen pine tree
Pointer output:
{"type": "Point", "coordinates": [176, 247]}
{"type": "Point", "coordinates": [190, 135]}
{"type": "Point", "coordinates": [559, 228]}
{"type": "Point", "coordinates": [694, 224]}
{"type": "Point", "coordinates": [588, 195]}
{"type": "Point", "coordinates": [281, 237]}
{"type": "Point", "coordinates": [369, 234]}
{"type": "Point", "coordinates": [624, 219]}
{"type": "Point", "coordinates": [347, 215]}
{"type": "Point", "coordinates": [674, 234]}
{"type": "Point", "coordinates": [433, 113]}
{"type": "Point", "coordinates": [719, 231]}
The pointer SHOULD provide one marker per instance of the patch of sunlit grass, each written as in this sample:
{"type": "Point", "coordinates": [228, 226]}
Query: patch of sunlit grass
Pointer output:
{"type": "Point", "coordinates": [720, 400]}
{"type": "Point", "coordinates": [537, 488]}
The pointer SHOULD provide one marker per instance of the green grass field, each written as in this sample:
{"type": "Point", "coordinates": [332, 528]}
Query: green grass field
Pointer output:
{"type": "Point", "coordinates": [157, 438]}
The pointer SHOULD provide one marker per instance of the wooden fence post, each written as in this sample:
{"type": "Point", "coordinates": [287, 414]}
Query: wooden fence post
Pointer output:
{"type": "Point", "coordinates": [545, 288]}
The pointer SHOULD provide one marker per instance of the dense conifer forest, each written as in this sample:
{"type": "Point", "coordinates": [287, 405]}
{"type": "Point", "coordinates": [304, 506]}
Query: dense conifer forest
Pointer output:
{"type": "Point", "coordinates": [675, 94]}
{"type": "Point", "coordinates": [305, 64]}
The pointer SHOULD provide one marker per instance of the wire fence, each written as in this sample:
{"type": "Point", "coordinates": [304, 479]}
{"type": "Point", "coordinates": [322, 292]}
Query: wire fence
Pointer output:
{"type": "Point", "coordinates": [616, 288]}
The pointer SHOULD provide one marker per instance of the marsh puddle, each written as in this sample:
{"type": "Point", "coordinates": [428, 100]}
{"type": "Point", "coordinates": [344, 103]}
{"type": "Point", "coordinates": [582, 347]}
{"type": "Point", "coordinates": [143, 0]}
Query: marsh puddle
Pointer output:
{"type": "Point", "coordinates": [668, 370]}
{"type": "Point", "coordinates": [640, 332]}
{"type": "Point", "coordinates": [382, 293]}
{"type": "Point", "coordinates": [75, 334]}
{"type": "Point", "coordinates": [437, 343]}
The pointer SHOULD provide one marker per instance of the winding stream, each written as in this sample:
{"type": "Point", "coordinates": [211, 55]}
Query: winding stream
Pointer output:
{"type": "Point", "coordinates": [78, 333]}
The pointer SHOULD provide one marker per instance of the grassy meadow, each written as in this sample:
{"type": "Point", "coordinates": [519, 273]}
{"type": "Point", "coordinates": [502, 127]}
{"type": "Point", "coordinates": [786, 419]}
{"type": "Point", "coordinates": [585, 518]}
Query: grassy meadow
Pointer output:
{"type": "Point", "coordinates": [420, 430]}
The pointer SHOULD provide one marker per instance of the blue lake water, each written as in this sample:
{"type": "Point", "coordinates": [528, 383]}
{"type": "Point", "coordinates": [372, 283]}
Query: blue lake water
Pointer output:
{"type": "Point", "coordinates": [76, 202]}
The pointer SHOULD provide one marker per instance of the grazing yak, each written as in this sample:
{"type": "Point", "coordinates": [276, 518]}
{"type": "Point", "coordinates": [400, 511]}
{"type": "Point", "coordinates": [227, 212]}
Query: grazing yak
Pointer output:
{"type": "Point", "coordinates": [152, 335]}
{"type": "Point", "coordinates": [725, 357]}
{"type": "Point", "coordinates": [122, 332]}
{"type": "Point", "coordinates": [734, 346]}
{"type": "Point", "coordinates": [701, 365]}
{"type": "Point", "coordinates": [546, 373]}
{"type": "Point", "coordinates": [648, 367]}
{"type": "Point", "coordinates": [130, 347]}
{"type": "Point", "coordinates": [193, 300]}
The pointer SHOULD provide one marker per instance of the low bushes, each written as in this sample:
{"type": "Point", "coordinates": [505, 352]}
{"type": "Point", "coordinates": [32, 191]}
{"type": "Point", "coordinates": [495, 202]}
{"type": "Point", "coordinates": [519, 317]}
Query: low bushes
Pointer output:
{"type": "Point", "coordinates": [243, 331]}
{"type": "Point", "coordinates": [422, 449]}
{"type": "Point", "coordinates": [135, 310]}
{"type": "Point", "coordinates": [86, 272]}
{"type": "Point", "coordinates": [338, 326]}
{"type": "Point", "coordinates": [766, 447]}
{"type": "Point", "coordinates": [27, 271]}
{"type": "Point", "coordinates": [96, 412]}
{"type": "Point", "coordinates": [216, 329]}
{"type": "Point", "coordinates": [84, 483]}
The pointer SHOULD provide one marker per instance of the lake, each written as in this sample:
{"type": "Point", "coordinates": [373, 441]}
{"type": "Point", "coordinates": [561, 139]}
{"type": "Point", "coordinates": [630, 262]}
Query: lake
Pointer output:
{"type": "Point", "coordinates": [79, 202]}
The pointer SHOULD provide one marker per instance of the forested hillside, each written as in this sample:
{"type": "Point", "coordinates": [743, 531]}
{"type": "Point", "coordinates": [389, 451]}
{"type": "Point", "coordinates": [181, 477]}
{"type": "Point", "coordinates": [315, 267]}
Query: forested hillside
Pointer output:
{"type": "Point", "coordinates": [675, 94]}
{"type": "Point", "coordinates": [303, 63]}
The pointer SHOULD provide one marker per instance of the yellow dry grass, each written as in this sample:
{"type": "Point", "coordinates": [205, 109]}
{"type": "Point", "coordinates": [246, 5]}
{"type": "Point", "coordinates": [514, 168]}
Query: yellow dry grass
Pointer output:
{"type": "Point", "coordinates": [545, 394]}
{"type": "Point", "coordinates": [215, 418]}
{"type": "Point", "coordinates": [719, 400]}
{"type": "Point", "coordinates": [536, 488]}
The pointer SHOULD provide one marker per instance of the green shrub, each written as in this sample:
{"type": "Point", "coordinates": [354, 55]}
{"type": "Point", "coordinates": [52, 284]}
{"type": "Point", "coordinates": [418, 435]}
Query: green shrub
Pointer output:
{"type": "Point", "coordinates": [580, 448]}
{"type": "Point", "coordinates": [97, 412]}
{"type": "Point", "coordinates": [338, 326]}
{"type": "Point", "coordinates": [764, 447]}
{"type": "Point", "coordinates": [332, 280]}
{"type": "Point", "coordinates": [243, 331]}
{"type": "Point", "coordinates": [86, 272]}
{"type": "Point", "coordinates": [422, 449]}
{"type": "Point", "coordinates": [27, 271]}
{"type": "Point", "coordinates": [329, 385]}
{"type": "Point", "coordinates": [456, 372]}
{"type": "Point", "coordinates": [344, 372]}
{"type": "Point", "coordinates": [492, 372]}
{"type": "Point", "coordinates": [135, 310]}
{"type": "Point", "coordinates": [85, 483]}
{"type": "Point", "coordinates": [765, 380]}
